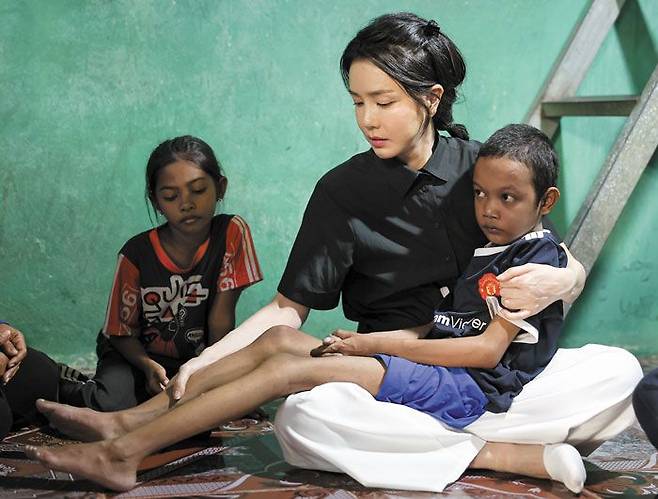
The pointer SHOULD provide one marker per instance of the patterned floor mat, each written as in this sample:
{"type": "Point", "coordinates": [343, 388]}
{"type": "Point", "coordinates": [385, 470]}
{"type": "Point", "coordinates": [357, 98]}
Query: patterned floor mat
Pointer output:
{"type": "Point", "coordinates": [242, 460]}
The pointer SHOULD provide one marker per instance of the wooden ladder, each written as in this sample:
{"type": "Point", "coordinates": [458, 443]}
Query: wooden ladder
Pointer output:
{"type": "Point", "coordinates": [633, 147]}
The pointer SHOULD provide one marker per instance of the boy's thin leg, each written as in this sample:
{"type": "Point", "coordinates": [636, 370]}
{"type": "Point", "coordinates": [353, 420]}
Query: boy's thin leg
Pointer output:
{"type": "Point", "coordinates": [88, 425]}
{"type": "Point", "coordinates": [113, 463]}
{"type": "Point", "coordinates": [560, 462]}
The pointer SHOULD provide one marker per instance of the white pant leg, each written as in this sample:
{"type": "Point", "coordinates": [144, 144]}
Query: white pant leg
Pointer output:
{"type": "Point", "coordinates": [340, 427]}
{"type": "Point", "coordinates": [582, 397]}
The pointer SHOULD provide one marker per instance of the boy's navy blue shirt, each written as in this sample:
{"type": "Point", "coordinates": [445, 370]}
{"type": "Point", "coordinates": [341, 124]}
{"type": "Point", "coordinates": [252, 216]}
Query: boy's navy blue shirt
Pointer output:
{"type": "Point", "coordinates": [536, 343]}
{"type": "Point", "coordinates": [386, 238]}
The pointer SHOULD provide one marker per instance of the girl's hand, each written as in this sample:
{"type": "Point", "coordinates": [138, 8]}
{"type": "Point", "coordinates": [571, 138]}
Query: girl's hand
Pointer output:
{"type": "Point", "coordinates": [156, 378]}
{"type": "Point", "coordinates": [530, 288]}
{"type": "Point", "coordinates": [345, 343]}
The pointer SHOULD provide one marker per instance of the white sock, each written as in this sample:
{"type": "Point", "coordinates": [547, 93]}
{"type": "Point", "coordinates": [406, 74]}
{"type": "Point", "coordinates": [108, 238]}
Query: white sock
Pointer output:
{"type": "Point", "coordinates": [564, 464]}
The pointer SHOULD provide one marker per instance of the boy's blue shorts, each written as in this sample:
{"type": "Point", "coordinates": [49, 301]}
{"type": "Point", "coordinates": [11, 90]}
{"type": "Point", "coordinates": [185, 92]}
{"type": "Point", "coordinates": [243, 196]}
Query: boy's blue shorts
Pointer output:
{"type": "Point", "coordinates": [448, 393]}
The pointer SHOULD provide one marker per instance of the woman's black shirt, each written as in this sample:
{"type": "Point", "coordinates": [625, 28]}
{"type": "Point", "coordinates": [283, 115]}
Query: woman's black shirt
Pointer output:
{"type": "Point", "coordinates": [386, 237]}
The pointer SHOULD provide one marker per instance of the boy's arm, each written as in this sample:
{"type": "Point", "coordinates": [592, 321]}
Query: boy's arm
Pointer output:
{"type": "Point", "coordinates": [481, 351]}
{"type": "Point", "coordinates": [411, 332]}
{"type": "Point", "coordinates": [338, 334]}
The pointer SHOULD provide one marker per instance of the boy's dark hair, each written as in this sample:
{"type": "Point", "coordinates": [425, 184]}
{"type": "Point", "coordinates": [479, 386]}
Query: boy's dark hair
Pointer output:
{"type": "Point", "coordinates": [185, 148]}
{"type": "Point", "coordinates": [416, 54]}
{"type": "Point", "coordinates": [527, 145]}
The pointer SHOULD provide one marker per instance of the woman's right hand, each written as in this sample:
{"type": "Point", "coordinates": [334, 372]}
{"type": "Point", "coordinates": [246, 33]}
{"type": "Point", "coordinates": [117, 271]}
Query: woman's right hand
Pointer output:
{"type": "Point", "coordinates": [280, 311]}
{"type": "Point", "coordinates": [177, 384]}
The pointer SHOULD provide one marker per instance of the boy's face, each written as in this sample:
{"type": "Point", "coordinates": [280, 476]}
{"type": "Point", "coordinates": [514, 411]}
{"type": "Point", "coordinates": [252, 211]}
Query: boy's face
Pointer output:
{"type": "Point", "coordinates": [506, 205]}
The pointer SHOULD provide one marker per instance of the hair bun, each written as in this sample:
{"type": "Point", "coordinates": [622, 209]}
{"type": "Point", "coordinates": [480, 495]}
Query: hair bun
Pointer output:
{"type": "Point", "coordinates": [431, 28]}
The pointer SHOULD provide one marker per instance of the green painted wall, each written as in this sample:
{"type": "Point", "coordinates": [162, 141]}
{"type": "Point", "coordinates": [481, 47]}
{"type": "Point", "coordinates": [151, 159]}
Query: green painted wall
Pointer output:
{"type": "Point", "coordinates": [87, 89]}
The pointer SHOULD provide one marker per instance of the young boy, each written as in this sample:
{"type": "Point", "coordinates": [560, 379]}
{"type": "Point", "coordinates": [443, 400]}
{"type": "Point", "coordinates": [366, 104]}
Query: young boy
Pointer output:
{"type": "Point", "coordinates": [479, 361]}
{"type": "Point", "coordinates": [514, 185]}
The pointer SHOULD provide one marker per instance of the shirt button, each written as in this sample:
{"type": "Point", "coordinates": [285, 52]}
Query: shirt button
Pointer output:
{"type": "Point", "coordinates": [447, 258]}
{"type": "Point", "coordinates": [437, 224]}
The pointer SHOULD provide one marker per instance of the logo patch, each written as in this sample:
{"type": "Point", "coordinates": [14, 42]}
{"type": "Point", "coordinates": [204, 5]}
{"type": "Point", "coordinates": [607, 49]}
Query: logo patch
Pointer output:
{"type": "Point", "coordinates": [488, 285]}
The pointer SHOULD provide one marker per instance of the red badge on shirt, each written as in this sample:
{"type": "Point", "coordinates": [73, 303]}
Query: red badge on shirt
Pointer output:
{"type": "Point", "coordinates": [488, 285]}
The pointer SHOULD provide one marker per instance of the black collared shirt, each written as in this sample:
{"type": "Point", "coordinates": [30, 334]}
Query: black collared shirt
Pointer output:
{"type": "Point", "coordinates": [386, 237]}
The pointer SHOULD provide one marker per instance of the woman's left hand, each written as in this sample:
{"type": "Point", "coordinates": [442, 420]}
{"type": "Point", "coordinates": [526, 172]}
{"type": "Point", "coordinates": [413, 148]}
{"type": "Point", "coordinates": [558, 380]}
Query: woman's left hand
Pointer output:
{"type": "Point", "coordinates": [345, 343]}
{"type": "Point", "coordinates": [530, 288]}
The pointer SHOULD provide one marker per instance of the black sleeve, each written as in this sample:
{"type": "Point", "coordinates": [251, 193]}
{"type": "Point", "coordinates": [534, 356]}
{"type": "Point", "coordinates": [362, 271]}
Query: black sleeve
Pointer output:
{"type": "Point", "coordinates": [321, 256]}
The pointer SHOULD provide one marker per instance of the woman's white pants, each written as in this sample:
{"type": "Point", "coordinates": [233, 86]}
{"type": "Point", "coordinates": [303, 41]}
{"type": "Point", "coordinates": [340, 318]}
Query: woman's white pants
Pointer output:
{"type": "Point", "coordinates": [583, 397]}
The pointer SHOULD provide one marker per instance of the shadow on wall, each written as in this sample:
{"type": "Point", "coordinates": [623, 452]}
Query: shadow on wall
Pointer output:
{"type": "Point", "coordinates": [635, 38]}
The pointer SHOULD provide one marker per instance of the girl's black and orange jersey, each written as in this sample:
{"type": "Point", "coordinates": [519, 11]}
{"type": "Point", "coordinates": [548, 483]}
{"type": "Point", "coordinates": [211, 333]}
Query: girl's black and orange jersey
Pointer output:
{"type": "Point", "coordinates": [165, 306]}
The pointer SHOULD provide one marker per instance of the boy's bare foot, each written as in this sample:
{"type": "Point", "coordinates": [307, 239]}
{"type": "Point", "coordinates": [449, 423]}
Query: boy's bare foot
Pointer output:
{"type": "Point", "coordinates": [80, 423]}
{"type": "Point", "coordinates": [96, 461]}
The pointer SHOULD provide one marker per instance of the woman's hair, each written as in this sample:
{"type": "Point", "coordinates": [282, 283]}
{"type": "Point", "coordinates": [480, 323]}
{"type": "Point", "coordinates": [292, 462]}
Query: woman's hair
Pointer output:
{"type": "Point", "coordinates": [185, 148]}
{"type": "Point", "coordinates": [416, 54]}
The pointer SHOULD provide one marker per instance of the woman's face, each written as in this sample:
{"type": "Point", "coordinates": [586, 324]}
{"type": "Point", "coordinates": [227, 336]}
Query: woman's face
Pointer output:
{"type": "Point", "coordinates": [390, 120]}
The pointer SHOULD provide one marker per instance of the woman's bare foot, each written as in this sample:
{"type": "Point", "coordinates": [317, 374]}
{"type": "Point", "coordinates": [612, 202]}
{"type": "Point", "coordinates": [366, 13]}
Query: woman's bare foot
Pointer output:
{"type": "Point", "coordinates": [97, 461]}
{"type": "Point", "coordinates": [81, 423]}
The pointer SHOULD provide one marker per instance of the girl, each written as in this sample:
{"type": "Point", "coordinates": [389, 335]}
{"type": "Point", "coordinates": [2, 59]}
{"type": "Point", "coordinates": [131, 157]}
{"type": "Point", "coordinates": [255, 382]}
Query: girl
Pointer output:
{"type": "Point", "coordinates": [175, 287]}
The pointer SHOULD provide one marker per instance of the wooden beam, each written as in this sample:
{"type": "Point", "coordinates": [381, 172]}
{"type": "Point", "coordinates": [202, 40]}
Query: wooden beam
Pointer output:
{"type": "Point", "coordinates": [613, 105]}
{"type": "Point", "coordinates": [575, 59]}
{"type": "Point", "coordinates": [614, 185]}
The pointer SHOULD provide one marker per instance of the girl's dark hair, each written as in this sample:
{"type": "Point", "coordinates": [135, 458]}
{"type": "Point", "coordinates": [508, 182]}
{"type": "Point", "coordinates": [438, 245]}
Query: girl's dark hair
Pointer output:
{"type": "Point", "coordinates": [185, 148]}
{"type": "Point", "coordinates": [415, 53]}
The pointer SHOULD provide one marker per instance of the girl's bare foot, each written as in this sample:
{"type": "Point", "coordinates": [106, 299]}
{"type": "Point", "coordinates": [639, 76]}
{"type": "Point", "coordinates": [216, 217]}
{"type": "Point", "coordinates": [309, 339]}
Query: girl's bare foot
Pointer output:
{"type": "Point", "coordinates": [80, 423]}
{"type": "Point", "coordinates": [98, 462]}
